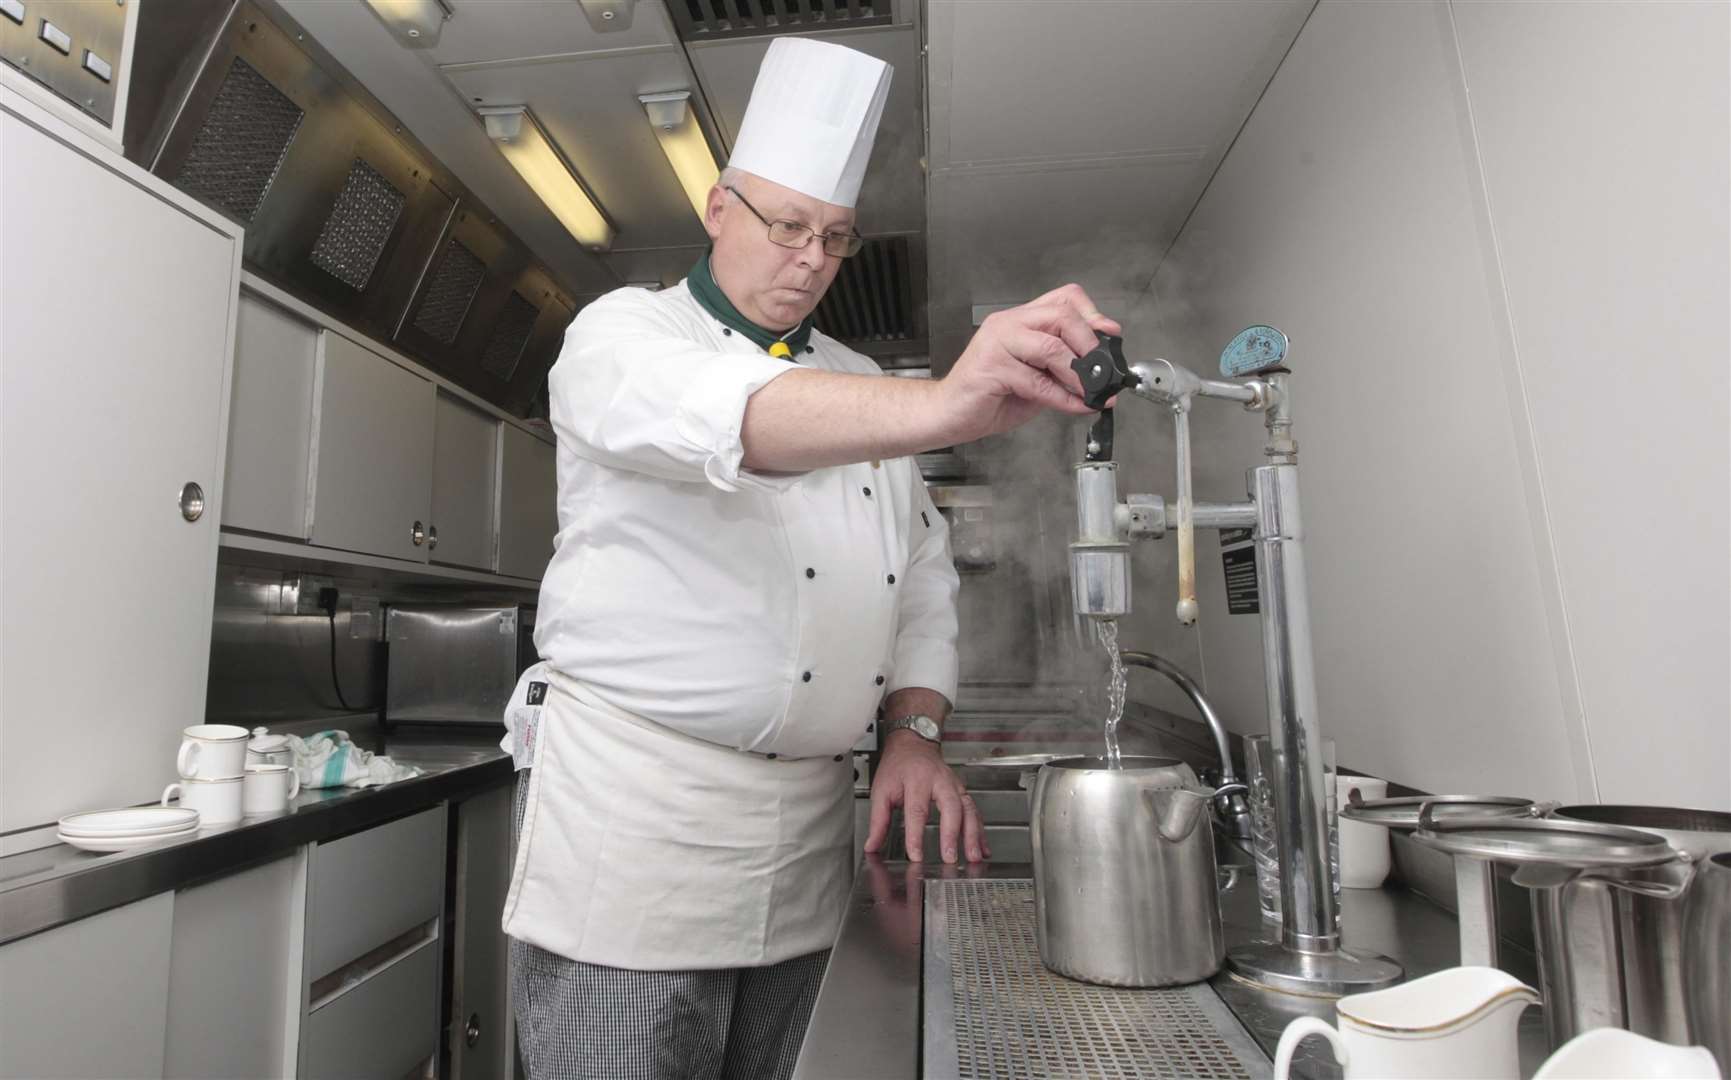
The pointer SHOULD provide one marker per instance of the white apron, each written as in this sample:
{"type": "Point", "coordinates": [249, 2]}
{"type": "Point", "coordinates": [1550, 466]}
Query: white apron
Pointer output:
{"type": "Point", "coordinates": [676, 853]}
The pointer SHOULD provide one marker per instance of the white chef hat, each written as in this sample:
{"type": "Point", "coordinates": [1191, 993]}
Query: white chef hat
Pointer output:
{"type": "Point", "coordinates": [813, 115]}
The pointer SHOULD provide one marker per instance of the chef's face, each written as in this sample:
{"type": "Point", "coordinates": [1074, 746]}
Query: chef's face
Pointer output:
{"type": "Point", "coordinates": [773, 286]}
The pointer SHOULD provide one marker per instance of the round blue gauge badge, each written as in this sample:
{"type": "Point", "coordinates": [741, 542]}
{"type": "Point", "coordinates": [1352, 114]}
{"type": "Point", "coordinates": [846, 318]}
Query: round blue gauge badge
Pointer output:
{"type": "Point", "coordinates": [1254, 350]}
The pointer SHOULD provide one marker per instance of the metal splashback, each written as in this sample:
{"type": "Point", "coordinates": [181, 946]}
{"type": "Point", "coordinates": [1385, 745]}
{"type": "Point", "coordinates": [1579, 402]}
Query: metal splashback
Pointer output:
{"type": "Point", "coordinates": [349, 213]}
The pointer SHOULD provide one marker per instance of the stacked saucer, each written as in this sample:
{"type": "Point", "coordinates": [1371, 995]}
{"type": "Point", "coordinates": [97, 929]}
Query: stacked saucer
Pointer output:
{"type": "Point", "coordinates": [125, 829]}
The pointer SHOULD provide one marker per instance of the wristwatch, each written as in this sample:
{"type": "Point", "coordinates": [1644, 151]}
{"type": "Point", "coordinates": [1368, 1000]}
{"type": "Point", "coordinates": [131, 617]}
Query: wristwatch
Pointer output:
{"type": "Point", "coordinates": [918, 723]}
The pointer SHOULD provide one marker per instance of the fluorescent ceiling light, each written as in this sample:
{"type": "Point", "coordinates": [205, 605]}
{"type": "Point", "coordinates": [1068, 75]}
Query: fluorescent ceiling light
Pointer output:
{"type": "Point", "coordinates": [525, 144]}
{"type": "Point", "coordinates": [675, 124]}
{"type": "Point", "coordinates": [415, 23]}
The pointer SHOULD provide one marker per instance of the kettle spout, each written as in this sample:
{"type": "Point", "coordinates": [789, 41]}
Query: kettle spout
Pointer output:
{"type": "Point", "coordinates": [1177, 810]}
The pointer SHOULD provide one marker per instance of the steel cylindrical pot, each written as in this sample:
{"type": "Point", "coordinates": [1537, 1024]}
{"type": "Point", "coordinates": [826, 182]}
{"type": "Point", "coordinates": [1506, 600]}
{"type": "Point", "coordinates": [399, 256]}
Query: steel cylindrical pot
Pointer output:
{"type": "Point", "coordinates": [1624, 937]}
{"type": "Point", "coordinates": [1124, 884]}
{"type": "Point", "coordinates": [1707, 958]}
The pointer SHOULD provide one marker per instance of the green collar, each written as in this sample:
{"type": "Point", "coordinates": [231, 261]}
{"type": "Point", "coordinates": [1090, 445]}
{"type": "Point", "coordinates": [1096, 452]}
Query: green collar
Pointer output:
{"type": "Point", "coordinates": [702, 285]}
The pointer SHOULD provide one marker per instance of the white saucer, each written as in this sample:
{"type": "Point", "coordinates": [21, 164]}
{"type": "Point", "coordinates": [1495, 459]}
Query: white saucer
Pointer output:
{"type": "Point", "coordinates": [125, 843]}
{"type": "Point", "coordinates": [132, 821]}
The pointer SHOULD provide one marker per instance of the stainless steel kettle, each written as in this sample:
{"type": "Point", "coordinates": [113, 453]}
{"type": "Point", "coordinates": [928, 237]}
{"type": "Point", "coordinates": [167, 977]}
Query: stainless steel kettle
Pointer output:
{"type": "Point", "coordinates": [1124, 886]}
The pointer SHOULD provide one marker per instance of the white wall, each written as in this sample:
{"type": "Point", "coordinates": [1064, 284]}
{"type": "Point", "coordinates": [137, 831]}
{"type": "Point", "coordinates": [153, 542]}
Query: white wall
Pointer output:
{"type": "Point", "coordinates": [1508, 314]}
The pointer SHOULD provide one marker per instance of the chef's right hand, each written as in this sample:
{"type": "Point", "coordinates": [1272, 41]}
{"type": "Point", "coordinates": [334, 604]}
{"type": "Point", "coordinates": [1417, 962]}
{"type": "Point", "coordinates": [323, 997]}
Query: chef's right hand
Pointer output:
{"type": "Point", "coordinates": [1018, 364]}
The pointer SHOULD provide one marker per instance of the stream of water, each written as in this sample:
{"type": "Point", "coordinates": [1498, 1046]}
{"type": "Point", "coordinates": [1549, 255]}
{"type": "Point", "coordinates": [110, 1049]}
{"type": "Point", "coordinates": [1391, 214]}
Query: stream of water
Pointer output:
{"type": "Point", "coordinates": [1114, 692]}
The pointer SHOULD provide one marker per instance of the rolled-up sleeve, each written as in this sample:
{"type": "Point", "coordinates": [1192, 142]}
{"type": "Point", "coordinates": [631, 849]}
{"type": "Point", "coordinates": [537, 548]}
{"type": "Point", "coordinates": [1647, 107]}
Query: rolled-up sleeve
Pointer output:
{"type": "Point", "coordinates": [925, 648]}
{"type": "Point", "coordinates": [631, 392]}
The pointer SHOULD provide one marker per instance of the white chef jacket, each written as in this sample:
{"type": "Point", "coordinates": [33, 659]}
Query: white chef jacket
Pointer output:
{"type": "Point", "coordinates": [720, 638]}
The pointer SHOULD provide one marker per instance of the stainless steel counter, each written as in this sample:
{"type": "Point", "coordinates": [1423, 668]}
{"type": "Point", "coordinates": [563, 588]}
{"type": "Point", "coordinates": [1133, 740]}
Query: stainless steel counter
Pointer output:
{"type": "Point", "coordinates": [54, 884]}
{"type": "Point", "coordinates": [869, 1013]}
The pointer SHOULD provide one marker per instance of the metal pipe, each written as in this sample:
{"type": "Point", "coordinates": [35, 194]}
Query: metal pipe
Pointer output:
{"type": "Point", "coordinates": [1235, 810]}
{"type": "Point", "coordinates": [1301, 802]}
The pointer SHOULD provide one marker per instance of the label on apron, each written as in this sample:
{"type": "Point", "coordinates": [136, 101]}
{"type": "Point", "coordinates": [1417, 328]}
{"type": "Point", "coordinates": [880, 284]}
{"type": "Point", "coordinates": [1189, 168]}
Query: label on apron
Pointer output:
{"type": "Point", "coordinates": [523, 716]}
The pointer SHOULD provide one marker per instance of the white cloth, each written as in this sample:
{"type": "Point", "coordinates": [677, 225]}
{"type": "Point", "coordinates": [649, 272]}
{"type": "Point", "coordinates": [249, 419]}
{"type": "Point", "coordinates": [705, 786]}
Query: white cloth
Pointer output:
{"type": "Point", "coordinates": [686, 602]}
{"type": "Point", "coordinates": [643, 848]}
{"type": "Point", "coordinates": [749, 610]}
{"type": "Point", "coordinates": [331, 759]}
{"type": "Point", "coordinates": [812, 118]}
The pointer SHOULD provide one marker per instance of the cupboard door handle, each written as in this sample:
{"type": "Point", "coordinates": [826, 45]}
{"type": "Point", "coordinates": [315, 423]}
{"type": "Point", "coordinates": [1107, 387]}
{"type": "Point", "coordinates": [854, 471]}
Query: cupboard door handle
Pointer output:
{"type": "Point", "coordinates": [432, 537]}
{"type": "Point", "coordinates": [472, 1033]}
{"type": "Point", "coordinates": [418, 534]}
{"type": "Point", "coordinates": [191, 501]}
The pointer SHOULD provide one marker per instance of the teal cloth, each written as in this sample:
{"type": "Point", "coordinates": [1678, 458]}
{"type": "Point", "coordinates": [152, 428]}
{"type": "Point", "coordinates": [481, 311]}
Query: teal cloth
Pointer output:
{"type": "Point", "coordinates": [702, 285]}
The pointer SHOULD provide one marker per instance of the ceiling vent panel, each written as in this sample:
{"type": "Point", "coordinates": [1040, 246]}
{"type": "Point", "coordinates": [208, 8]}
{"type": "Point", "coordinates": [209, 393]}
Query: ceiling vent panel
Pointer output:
{"type": "Point", "coordinates": [354, 236]}
{"type": "Point", "coordinates": [241, 143]}
{"type": "Point", "coordinates": [871, 303]}
{"type": "Point", "coordinates": [450, 290]}
{"type": "Point", "coordinates": [510, 335]}
{"type": "Point", "coordinates": [713, 20]}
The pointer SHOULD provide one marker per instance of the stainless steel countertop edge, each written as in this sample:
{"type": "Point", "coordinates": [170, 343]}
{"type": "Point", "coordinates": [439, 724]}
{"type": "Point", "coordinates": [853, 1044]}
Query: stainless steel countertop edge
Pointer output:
{"type": "Point", "coordinates": [98, 884]}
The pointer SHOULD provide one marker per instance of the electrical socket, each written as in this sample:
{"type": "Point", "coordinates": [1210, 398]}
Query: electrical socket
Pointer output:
{"type": "Point", "coordinates": [300, 594]}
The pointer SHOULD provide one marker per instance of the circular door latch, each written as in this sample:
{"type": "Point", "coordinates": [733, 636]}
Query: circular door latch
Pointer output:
{"type": "Point", "coordinates": [191, 501]}
{"type": "Point", "coordinates": [472, 1031]}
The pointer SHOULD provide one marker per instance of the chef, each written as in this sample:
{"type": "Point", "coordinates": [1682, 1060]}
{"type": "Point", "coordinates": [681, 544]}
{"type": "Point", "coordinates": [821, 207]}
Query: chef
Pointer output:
{"type": "Point", "coordinates": [748, 573]}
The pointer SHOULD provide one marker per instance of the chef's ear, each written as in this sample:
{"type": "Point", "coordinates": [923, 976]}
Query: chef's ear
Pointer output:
{"type": "Point", "coordinates": [712, 211]}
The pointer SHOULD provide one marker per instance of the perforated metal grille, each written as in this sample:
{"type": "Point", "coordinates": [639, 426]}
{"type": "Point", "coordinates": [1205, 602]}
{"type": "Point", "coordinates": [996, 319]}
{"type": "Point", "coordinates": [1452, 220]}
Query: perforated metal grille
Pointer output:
{"type": "Point", "coordinates": [510, 336]}
{"type": "Point", "coordinates": [871, 298]}
{"type": "Point", "coordinates": [705, 20]}
{"type": "Point", "coordinates": [241, 144]}
{"type": "Point", "coordinates": [449, 292]}
{"type": "Point", "coordinates": [360, 225]}
{"type": "Point", "coordinates": [1015, 1019]}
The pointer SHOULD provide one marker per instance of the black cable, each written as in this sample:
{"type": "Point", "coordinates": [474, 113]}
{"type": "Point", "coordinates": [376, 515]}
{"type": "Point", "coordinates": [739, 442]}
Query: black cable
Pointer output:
{"type": "Point", "coordinates": [335, 685]}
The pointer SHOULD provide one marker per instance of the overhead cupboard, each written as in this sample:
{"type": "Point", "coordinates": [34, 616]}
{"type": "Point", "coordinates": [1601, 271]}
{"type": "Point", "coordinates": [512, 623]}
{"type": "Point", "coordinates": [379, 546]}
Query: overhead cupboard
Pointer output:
{"type": "Point", "coordinates": [338, 443]}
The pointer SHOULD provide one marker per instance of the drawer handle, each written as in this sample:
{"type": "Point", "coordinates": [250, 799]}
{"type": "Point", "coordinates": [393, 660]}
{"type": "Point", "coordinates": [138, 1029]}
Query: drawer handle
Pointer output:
{"type": "Point", "coordinates": [418, 534]}
{"type": "Point", "coordinates": [472, 1033]}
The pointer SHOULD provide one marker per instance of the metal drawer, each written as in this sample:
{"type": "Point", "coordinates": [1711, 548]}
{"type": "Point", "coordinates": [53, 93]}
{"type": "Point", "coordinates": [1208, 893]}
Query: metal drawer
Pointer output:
{"type": "Point", "coordinates": [382, 1027]}
{"type": "Point", "coordinates": [369, 888]}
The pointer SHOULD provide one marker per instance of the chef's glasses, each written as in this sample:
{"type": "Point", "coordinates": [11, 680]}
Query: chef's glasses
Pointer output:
{"type": "Point", "coordinates": [791, 234]}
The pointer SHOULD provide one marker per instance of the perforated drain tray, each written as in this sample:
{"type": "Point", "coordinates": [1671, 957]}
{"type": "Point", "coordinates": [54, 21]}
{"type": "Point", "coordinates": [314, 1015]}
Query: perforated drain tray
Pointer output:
{"type": "Point", "coordinates": [992, 1010]}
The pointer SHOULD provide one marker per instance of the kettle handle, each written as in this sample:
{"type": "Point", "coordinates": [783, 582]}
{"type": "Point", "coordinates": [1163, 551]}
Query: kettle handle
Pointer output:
{"type": "Point", "coordinates": [1299, 1030]}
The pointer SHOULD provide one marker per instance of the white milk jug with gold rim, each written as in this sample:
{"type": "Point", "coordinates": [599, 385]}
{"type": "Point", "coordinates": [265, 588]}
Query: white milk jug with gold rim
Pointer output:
{"type": "Point", "coordinates": [1457, 1024]}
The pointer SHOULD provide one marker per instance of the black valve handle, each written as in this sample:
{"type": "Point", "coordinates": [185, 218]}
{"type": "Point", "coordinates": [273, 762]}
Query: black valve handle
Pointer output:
{"type": "Point", "coordinates": [1103, 371]}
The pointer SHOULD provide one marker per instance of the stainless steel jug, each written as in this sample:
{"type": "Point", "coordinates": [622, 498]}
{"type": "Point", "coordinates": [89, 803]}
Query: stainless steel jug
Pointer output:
{"type": "Point", "coordinates": [1124, 886]}
{"type": "Point", "coordinates": [1707, 958]}
{"type": "Point", "coordinates": [1611, 943]}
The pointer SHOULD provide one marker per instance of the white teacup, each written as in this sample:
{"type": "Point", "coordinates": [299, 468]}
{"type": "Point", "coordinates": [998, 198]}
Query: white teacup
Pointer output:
{"type": "Point", "coordinates": [212, 752]}
{"type": "Point", "coordinates": [217, 801]}
{"type": "Point", "coordinates": [267, 789]}
{"type": "Point", "coordinates": [1364, 855]}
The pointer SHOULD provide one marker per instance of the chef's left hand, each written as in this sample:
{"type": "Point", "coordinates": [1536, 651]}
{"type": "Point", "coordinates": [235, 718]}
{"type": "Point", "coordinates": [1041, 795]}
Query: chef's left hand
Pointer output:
{"type": "Point", "coordinates": [912, 775]}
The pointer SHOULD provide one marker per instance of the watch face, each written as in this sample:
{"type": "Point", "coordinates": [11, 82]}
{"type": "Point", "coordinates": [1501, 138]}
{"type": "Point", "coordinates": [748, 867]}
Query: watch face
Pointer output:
{"type": "Point", "coordinates": [923, 726]}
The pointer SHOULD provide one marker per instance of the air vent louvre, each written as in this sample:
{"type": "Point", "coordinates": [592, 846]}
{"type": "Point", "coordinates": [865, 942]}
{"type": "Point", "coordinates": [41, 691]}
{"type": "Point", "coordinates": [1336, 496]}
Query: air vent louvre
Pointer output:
{"type": "Point", "coordinates": [354, 236]}
{"type": "Point", "coordinates": [871, 299]}
{"type": "Point", "coordinates": [510, 335]}
{"type": "Point", "coordinates": [241, 144]}
{"type": "Point", "coordinates": [707, 20]}
{"type": "Point", "coordinates": [450, 290]}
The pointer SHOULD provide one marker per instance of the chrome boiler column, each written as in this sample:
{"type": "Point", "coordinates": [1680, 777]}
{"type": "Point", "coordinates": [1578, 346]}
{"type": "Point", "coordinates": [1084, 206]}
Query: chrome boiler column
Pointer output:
{"type": "Point", "coordinates": [1308, 958]}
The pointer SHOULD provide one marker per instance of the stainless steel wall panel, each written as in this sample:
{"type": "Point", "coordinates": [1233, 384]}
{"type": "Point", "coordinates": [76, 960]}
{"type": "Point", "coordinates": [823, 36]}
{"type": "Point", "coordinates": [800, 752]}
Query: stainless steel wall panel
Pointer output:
{"type": "Point", "coordinates": [339, 209]}
{"type": "Point", "coordinates": [507, 324]}
{"type": "Point", "coordinates": [71, 47]}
